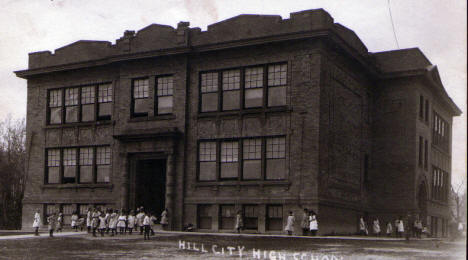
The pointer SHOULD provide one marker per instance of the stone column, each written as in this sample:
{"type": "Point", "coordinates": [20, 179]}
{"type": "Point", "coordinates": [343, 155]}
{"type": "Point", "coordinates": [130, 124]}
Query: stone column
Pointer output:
{"type": "Point", "coordinates": [170, 177]}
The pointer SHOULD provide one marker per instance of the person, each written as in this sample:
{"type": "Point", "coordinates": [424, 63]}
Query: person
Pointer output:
{"type": "Point", "coordinates": [239, 222]}
{"type": "Point", "coordinates": [131, 222]}
{"type": "Point", "coordinates": [305, 222]}
{"type": "Point", "coordinates": [51, 220]}
{"type": "Point", "coordinates": [74, 220]}
{"type": "Point", "coordinates": [146, 225]}
{"type": "Point", "coordinates": [460, 229]}
{"type": "Point", "coordinates": [121, 222]}
{"type": "Point", "coordinates": [313, 224]}
{"type": "Point", "coordinates": [290, 223]}
{"type": "Point", "coordinates": [164, 221]}
{"type": "Point", "coordinates": [362, 226]}
{"type": "Point", "coordinates": [376, 227]}
{"type": "Point", "coordinates": [95, 220]}
{"type": "Point", "coordinates": [153, 221]}
{"type": "Point", "coordinates": [400, 227]}
{"type": "Point", "coordinates": [59, 222]}
{"type": "Point", "coordinates": [407, 224]}
{"type": "Point", "coordinates": [418, 227]}
{"type": "Point", "coordinates": [102, 224]}
{"type": "Point", "coordinates": [389, 229]}
{"type": "Point", "coordinates": [36, 223]}
{"type": "Point", "coordinates": [89, 219]}
{"type": "Point", "coordinates": [113, 219]}
{"type": "Point", "coordinates": [107, 220]}
{"type": "Point", "coordinates": [81, 223]}
{"type": "Point", "coordinates": [140, 216]}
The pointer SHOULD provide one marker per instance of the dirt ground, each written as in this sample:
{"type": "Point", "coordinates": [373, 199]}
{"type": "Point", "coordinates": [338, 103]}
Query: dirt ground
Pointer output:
{"type": "Point", "coordinates": [188, 246]}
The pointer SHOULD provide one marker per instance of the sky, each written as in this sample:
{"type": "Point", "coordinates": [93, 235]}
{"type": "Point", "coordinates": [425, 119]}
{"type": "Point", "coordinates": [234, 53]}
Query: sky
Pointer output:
{"type": "Point", "coordinates": [437, 27]}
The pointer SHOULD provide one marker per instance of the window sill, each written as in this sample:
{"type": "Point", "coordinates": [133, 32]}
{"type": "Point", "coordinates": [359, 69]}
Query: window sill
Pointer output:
{"type": "Point", "coordinates": [152, 118]}
{"type": "Point", "coordinates": [243, 183]}
{"type": "Point", "coordinates": [80, 124]}
{"type": "Point", "coordinates": [246, 111]}
{"type": "Point", "coordinates": [78, 186]}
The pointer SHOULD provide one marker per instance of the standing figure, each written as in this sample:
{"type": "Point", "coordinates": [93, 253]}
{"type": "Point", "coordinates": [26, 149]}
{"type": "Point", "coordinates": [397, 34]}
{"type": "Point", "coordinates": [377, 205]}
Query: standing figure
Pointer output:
{"type": "Point", "coordinates": [51, 220]}
{"type": "Point", "coordinates": [290, 223]}
{"type": "Point", "coordinates": [313, 224]}
{"type": "Point", "coordinates": [36, 223]}
{"type": "Point", "coordinates": [59, 222]}
{"type": "Point", "coordinates": [239, 221]}
{"type": "Point", "coordinates": [131, 222]}
{"type": "Point", "coordinates": [419, 228]}
{"type": "Point", "coordinates": [400, 227]}
{"type": "Point", "coordinates": [140, 217]}
{"type": "Point", "coordinates": [107, 220]}
{"type": "Point", "coordinates": [305, 222]}
{"type": "Point", "coordinates": [113, 218]}
{"type": "Point", "coordinates": [376, 227]}
{"type": "Point", "coordinates": [407, 224]}
{"type": "Point", "coordinates": [102, 224]}
{"type": "Point", "coordinates": [164, 221]}
{"type": "Point", "coordinates": [89, 219]}
{"type": "Point", "coordinates": [121, 222]}
{"type": "Point", "coordinates": [146, 225]}
{"type": "Point", "coordinates": [362, 226]}
{"type": "Point", "coordinates": [153, 221]}
{"type": "Point", "coordinates": [389, 229]}
{"type": "Point", "coordinates": [74, 221]}
{"type": "Point", "coordinates": [95, 220]}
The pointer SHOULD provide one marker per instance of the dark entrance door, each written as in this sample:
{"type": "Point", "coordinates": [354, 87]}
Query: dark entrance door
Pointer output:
{"type": "Point", "coordinates": [150, 185]}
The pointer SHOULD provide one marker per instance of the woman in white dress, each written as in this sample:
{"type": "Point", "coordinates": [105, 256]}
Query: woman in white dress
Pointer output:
{"type": "Point", "coordinates": [36, 223]}
{"type": "Point", "coordinates": [313, 224]}
{"type": "Point", "coordinates": [102, 224]}
{"type": "Point", "coordinates": [290, 223]}
{"type": "Point", "coordinates": [121, 222]}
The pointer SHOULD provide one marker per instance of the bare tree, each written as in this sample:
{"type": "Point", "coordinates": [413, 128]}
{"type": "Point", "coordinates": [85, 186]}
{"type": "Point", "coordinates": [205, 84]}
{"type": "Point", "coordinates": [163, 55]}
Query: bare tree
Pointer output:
{"type": "Point", "coordinates": [12, 171]}
{"type": "Point", "coordinates": [458, 201]}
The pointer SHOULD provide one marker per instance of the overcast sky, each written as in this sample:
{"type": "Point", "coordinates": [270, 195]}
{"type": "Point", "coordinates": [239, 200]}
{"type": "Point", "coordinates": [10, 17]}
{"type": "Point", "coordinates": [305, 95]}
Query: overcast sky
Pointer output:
{"type": "Point", "coordinates": [437, 27]}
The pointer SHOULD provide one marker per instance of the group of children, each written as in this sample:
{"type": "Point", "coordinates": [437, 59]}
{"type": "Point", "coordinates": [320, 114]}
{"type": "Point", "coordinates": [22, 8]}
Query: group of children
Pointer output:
{"type": "Point", "coordinates": [105, 222]}
{"type": "Point", "coordinates": [417, 229]}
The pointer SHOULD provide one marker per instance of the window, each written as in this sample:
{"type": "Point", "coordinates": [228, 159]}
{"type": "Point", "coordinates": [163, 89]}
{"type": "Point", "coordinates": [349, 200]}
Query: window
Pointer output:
{"type": "Point", "coordinates": [78, 165]}
{"type": "Point", "coordinates": [105, 101]}
{"type": "Point", "coordinates": [55, 106]}
{"type": "Point", "coordinates": [207, 161]}
{"type": "Point", "coordinates": [69, 163]}
{"type": "Point", "coordinates": [426, 154]}
{"type": "Point", "coordinates": [274, 217]}
{"type": "Point", "coordinates": [53, 166]}
{"type": "Point", "coordinates": [229, 159]}
{"type": "Point", "coordinates": [80, 104]}
{"type": "Point", "coordinates": [421, 106]}
{"type": "Point", "coordinates": [251, 217]}
{"type": "Point", "coordinates": [209, 92]}
{"type": "Point", "coordinates": [440, 132]}
{"type": "Point", "coordinates": [253, 93]}
{"type": "Point", "coordinates": [227, 217]}
{"type": "Point", "coordinates": [103, 163]}
{"type": "Point", "coordinates": [252, 159]}
{"type": "Point", "coordinates": [426, 114]}
{"type": "Point", "coordinates": [231, 89]}
{"type": "Point", "coordinates": [275, 157]}
{"type": "Point", "coordinates": [140, 97]}
{"type": "Point", "coordinates": [83, 209]}
{"type": "Point", "coordinates": [204, 216]}
{"type": "Point", "coordinates": [440, 185]}
{"type": "Point", "coordinates": [277, 75]}
{"type": "Point", "coordinates": [420, 154]}
{"type": "Point", "coordinates": [250, 81]}
{"type": "Point", "coordinates": [165, 89]}
{"type": "Point", "coordinates": [86, 165]}
{"type": "Point", "coordinates": [262, 158]}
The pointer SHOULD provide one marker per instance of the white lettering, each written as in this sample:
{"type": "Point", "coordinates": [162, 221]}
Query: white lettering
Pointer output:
{"type": "Point", "coordinates": [188, 245]}
{"type": "Point", "coordinates": [240, 250]}
{"type": "Point", "coordinates": [181, 244]}
{"type": "Point", "coordinates": [194, 247]}
{"type": "Point", "coordinates": [296, 256]}
{"type": "Point", "coordinates": [281, 256]}
{"type": "Point", "coordinates": [303, 256]}
{"type": "Point", "coordinates": [203, 249]}
{"type": "Point", "coordinates": [230, 248]}
{"type": "Point", "coordinates": [314, 257]}
{"type": "Point", "coordinates": [213, 248]}
{"type": "Point", "coordinates": [256, 253]}
{"type": "Point", "coordinates": [325, 257]}
{"type": "Point", "coordinates": [272, 255]}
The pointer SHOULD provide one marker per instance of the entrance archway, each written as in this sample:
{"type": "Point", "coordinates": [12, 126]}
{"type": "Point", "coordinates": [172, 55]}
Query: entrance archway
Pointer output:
{"type": "Point", "coordinates": [422, 203]}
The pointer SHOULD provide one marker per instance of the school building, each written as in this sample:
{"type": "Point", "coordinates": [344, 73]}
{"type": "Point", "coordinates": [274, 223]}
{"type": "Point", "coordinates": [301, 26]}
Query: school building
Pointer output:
{"type": "Point", "coordinates": [257, 113]}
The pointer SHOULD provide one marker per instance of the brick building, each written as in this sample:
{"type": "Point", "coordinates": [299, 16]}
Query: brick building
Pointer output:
{"type": "Point", "coordinates": [257, 113]}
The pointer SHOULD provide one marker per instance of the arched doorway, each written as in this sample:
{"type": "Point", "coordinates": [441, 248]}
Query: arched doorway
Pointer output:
{"type": "Point", "coordinates": [422, 203]}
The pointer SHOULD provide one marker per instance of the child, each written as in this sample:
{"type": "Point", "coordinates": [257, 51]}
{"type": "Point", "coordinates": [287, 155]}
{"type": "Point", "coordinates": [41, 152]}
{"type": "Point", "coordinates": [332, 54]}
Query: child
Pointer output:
{"type": "Point", "coordinates": [107, 220]}
{"type": "Point", "coordinates": [389, 229]}
{"type": "Point", "coordinates": [113, 222]}
{"type": "Point", "coordinates": [59, 222]}
{"type": "Point", "coordinates": [400, 227]}
{"type": "Point", "coordinates": [140, 216]}
{"type": "Point", "coordinates": [81, 223]}
{"type": "Point", "coordinates": [131, 222]}
{"type": "Point", "coordinates": [89, 219]}
{"type": "Point", "coordinates": [313, 224]}
{"type": "Point", "coordinates": [153, 221]}
{"type": "Point", "coordinates": [239, 222]}
{"type": "Point", "coordinates": [376, 227]}
{"type": "Point", "coordinates": [121, 222]}
{"type": "Point", "coordinates": [164, 221]}
{"type": "Point", "coordinates": [146, 225]}
{"type": "Point", "coordinates": [36, 223]}
{"type": "Point", "coordinates": [362, 226]}
{"type": "Point", "coordinates": [102, 224]}
{"type": "Point", "coordinates": [290, 224]}
{"type": "Point", "coordinates": [51, 220]}
{"type": "Point", "coordinates": [74, 220]}
{"type": "Point", "coordinates": [305, 222]}
{"type": "Point", "coordinates": [95, 220]}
